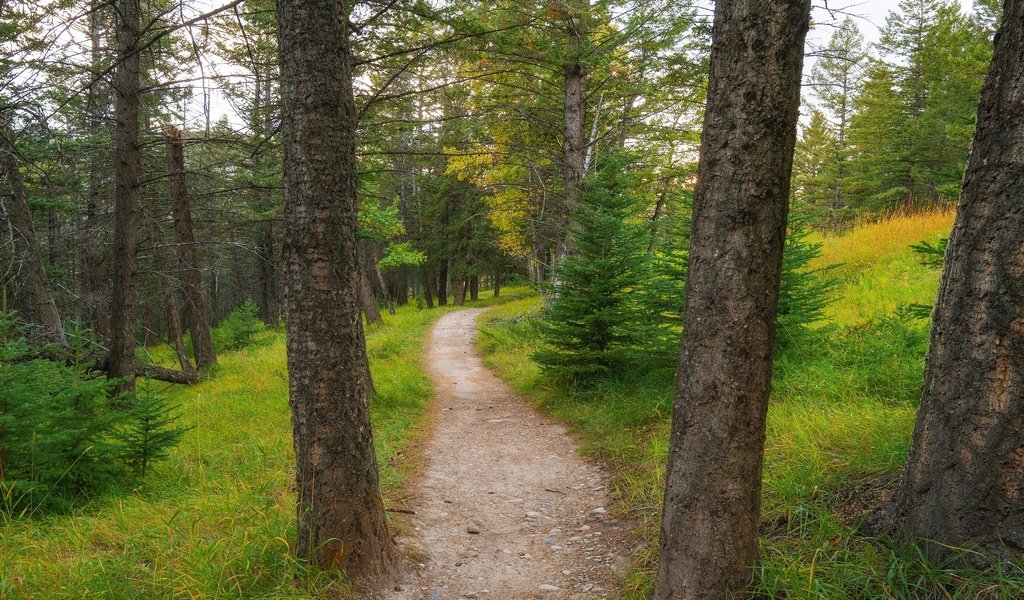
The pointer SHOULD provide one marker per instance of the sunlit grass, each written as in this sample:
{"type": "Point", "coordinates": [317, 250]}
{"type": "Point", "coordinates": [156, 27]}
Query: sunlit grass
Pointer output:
{"type": "Point", "coordinates": [216, 519]}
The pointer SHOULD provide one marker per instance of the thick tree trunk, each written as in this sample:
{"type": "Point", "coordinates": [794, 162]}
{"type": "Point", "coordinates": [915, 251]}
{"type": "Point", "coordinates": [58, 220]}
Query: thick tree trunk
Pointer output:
{"type": "Point", "coordinates": [713, 486]}
{"type": "Point", "coordinates": [197, 308]}
{"type": "Point", "coordinates": [474, 287]}
{"type": "Point", "coordinates": [963, 482]}
{"type": "Point", "coordinates": [460, 292]}
{"type": "Point", "coordinates": [269, 309]}
{"type": "Point", "coordinates": [340, 510]}
{"type": "Point", "coordinates": [26, 243]}
{"type": "Point", "coordinates": [127, 194]}
{"type": "Point", "coordinates": [367, 299]}
{"type": "Point", "coordinates": [574, 116]}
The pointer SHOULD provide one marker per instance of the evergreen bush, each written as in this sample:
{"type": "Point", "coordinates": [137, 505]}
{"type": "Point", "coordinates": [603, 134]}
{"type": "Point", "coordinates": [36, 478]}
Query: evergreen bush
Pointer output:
{"type": "Point", "coordinates": [593, 324]}
{"type": "Point", "coordinates": [62, 431]}
{"type": "Point", "coordinates": [239, 329]}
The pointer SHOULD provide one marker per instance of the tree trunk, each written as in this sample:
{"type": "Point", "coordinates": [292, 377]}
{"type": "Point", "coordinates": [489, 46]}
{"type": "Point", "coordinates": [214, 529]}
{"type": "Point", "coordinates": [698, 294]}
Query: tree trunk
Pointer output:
{"type": "Point", "coordinates": [340, 510]}
{"type": "Point", "coordinates": [383, 287]}
{"type": "Point", "coordinates": [271, 312]}
{"type": "Point", "coordinates": [26, 243]}
{"type": "Point", "coordinates": [713, 485]}
{"type": "Point", "coordinates": [367, 299]}
{"type": "Point", "coordinates": [167, 294]}
{"type": "Point", "coordinates": [460, 292]}
{"type": "Point", "coordinates": [474, 287]}
{"type": "Point", "coordinates": [497, 283]}
{"type": "Point", "coordinates": [127, 194]}
{"type": "Point", "coordinates": [963, 482]}
{"type": "Point", "coordinates": [574, 116]}
{"type": "Point", "coordinates": [429, 277]}
{"type": "Point", "coordinates": [197, 308]}
{"type": "Point", "coordinates": [442, 285]}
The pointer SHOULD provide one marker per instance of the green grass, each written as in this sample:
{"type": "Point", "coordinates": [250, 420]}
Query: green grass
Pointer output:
{"type": "Point", "coordinates": [839, 425]}
{"type": "Point", "coordinates": [216, 519]}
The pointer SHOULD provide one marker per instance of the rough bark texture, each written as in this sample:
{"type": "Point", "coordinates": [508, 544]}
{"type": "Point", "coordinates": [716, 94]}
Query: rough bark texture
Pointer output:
{"type": "Point", "coordinates": [713, 486]}
{"type": "Point", "coordinates": [340, 510]}
{"type": "Point", "coordinates": [574, 115]}
{"type": "Point", "coordinates": [127, 194]}
{"type": "Point", "coordinates": [964, 480]}
{"type": "Point", "coordinates": [367, 298]}
{"type": "Point", "coordinates": [26, 244]}
{"type": "Point", "coordinates": [197, 308]}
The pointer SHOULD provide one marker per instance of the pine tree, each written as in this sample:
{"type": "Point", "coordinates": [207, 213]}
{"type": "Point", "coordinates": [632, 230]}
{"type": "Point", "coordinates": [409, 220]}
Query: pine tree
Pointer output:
{"type": "Point", "coordinates": [592, 327]}
{"type": "Point", "coordinates": [814, 167]}
{"type": "Point", "coordinates": [878, 173]}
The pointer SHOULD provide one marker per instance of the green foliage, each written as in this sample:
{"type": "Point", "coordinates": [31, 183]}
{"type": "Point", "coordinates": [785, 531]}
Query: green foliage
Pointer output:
{"type": "Point", "coordinates": [805, 290]}
{"type": "Point", "coordinates": [592, 325]}
{"type": "Point", "coordinates": [402, 255]}
{"type": "Point", "coordinates": [239, 329]}
{"type": "Point", "coordinates": [931, 255]}
{"type": "Point", "coordinates": [62, 433]}
{"type": "Point", "coordinates": [151, 430]}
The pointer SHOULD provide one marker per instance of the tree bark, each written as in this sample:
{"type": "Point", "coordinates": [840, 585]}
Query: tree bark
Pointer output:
{"type": "Point", "coordinates": [442, 285]}
{"type": "Point", "coordinates": [574, 116]}
{"type": "Point", "coordinates": [963, 482]}
{"type": "Point", "coordinates": [713, 485]}
{"type": "Point", "coordinates": [474, 287]}
{"type": "Point", "coordinates": [367, 298]}
{"type": "Point", "coordinates": [197, 308]}
{"type": "Point", "coordinates": [429, 277]}
{"type": "Point", "coordinates": [26, 243]}
{"type": "Point", "coordinates": [497, 283]}
{"type": "Point", "coordinates": [340, 510]}
{"type": "Point", "coordinates": [127, 194]}
{"type": "Point", "coordinates": [460, 292]}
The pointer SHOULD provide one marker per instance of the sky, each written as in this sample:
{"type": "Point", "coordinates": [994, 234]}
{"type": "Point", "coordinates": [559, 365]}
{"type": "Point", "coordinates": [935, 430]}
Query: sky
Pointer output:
{"type": "Point", "coordinates": [869, 15]}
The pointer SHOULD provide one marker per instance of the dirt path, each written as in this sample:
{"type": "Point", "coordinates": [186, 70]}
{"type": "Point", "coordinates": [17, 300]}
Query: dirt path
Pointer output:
{"type": "Point", "coordinates": [505, 506]}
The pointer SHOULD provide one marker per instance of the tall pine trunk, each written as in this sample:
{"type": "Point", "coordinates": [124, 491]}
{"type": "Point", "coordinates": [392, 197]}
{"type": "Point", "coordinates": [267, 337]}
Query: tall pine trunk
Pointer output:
{"type": "Point", "coordinates": [197, 307]}
{"type": "Point", "coordinates": [340, 510]}
{"type": "Point", "coordinates": [127, 194]}
{"type": "Point", "coordinates": [574, 114]}
{"type": "Point", "coordinates": [713, 486]}
{"type": "Point", "coordinates": [963, 482]}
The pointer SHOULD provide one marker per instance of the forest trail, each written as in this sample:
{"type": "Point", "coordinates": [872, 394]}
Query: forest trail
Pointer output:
{"type": "Point", "coordinates": [506, 508]}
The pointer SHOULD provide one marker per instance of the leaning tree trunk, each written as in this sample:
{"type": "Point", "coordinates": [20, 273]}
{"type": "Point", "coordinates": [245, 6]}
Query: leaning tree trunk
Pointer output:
{"type": "Point", "coordinates": [197, 308]}
{"type": "Point", "coordinates": [713, 485]}
{"type": "Point", "coordinates": [963, 483]}
{"type": "Point", "coordinates": [340, 510]}
{"type": "Point", "coordinates": [127, 194]}
{"type": "Point", "coordinates": [367, 299]}
{"type": "Point", "coordinates": [25, 241]}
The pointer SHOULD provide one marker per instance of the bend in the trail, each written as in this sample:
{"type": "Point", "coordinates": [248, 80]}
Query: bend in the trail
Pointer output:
{"type": "Point", "coordinates": [505, 507]}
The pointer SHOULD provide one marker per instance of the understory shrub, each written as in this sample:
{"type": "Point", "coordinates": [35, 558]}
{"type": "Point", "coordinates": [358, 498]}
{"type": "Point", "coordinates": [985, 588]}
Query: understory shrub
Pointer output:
{"type": "Point", "coordinates": [239, 329]}
{"type": "Point", "coordinates": [64, 432]}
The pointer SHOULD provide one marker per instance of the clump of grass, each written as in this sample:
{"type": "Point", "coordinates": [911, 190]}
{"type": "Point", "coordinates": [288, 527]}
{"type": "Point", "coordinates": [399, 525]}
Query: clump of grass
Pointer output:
{"type": "Point", "coordinates": [217, 517]}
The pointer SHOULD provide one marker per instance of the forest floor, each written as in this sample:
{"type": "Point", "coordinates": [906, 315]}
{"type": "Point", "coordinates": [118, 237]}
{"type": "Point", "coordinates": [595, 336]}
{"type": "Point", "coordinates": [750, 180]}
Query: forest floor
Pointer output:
{"type": "Point", "coordinates": [505, 506]}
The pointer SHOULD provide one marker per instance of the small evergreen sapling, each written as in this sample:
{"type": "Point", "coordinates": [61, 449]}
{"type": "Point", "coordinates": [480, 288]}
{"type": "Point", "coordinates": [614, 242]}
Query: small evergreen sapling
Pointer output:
{"type": "Point", "coordinates": [151, 431]}
{"type": "Point", "coordinates": [593, 326]}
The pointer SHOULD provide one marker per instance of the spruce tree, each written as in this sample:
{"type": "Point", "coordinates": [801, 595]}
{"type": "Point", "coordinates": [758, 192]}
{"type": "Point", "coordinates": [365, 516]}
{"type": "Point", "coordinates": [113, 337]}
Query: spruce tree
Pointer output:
{"type": "Point", "coordinates": [593, 324]}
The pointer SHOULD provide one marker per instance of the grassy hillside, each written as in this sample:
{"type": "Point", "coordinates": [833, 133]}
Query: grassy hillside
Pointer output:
{"type": "Point", "coordinates": [839, 424]}
{"type": "Point", "coordinates": [216, 518]}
